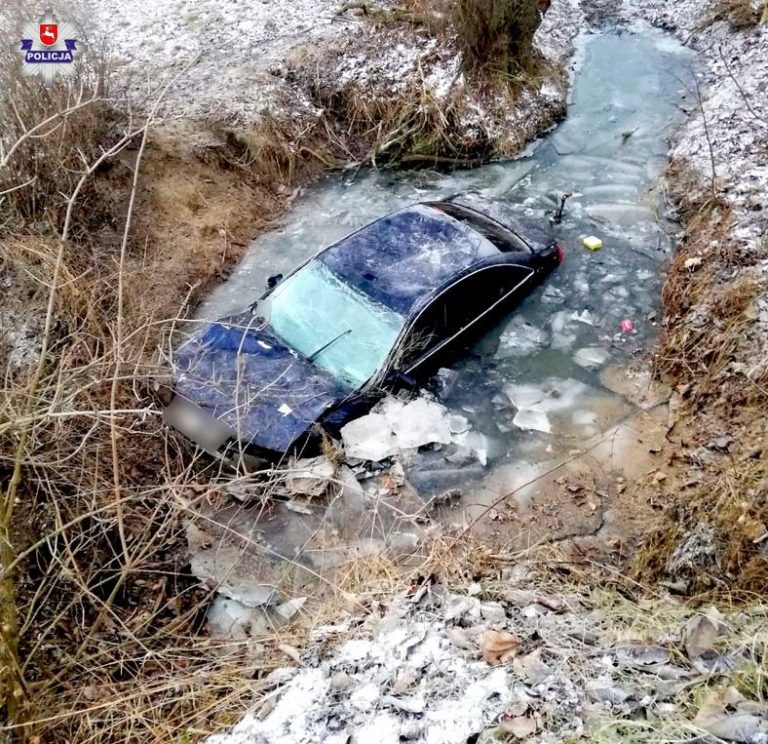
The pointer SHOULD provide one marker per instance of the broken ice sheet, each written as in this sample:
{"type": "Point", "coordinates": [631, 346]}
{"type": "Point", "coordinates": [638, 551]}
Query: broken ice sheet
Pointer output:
{"type": "Point", "coordinates": [563, 330]}
{"type": "Point", "coordinates": [531, 420]}
{"type": "Point", "coordinates": [552, 295]}
{"type": "Point", "coordinates": [591, 357]}
{"type": "Point", "coordinates": [583, 317]}
{"type": "Point", "coordinates": [420, 422]}
{"type": "Point", "coordinates": [394, 426]}
{"type": "Point", "coordinates": [535, 402]}
{"type": "Point", "coordinates": [369, 437]}
{"type": "Point", "coordinates": [520, 338]}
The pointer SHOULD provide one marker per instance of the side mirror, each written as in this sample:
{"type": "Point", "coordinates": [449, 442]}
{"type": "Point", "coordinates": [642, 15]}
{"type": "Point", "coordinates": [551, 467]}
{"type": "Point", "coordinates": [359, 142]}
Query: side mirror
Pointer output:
{"type": "Point", "coordinates": [274, 280]}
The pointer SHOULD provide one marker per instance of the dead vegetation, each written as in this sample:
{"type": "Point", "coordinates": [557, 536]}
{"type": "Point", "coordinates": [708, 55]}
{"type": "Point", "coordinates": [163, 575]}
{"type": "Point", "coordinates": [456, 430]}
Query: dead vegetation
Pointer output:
{"type": "Point", "coordinates": [416, 120]}
{"type": "Point", "coordinates": [497, 34]}
{"type": "Point", "coordinates": [739, 14]}
{"type": "Point", "coordinates": [713, 530]}
{"type": "Point", "coordinates": [111, 225]}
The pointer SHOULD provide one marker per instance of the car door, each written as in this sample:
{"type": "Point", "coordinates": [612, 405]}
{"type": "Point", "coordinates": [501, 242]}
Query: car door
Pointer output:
{"type": "Point", "coordinates": [459, 314]}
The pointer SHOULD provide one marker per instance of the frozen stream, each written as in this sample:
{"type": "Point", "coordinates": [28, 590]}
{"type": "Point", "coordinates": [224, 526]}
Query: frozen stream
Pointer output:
{"type": "Point", "coordinates": [609, 153]}
{"type": "Point", "coordinates": [537, 388]}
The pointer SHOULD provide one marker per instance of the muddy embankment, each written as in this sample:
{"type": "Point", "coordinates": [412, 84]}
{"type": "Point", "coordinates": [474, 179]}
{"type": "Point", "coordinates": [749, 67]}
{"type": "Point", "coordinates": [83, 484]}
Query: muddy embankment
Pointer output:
{"type": "Point", "coordinates": [712, 535]}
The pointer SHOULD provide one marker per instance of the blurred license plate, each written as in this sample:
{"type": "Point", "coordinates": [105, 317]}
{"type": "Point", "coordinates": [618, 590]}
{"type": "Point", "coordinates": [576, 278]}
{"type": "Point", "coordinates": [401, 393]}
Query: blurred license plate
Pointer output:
{"type": "Point", "coordinates": [195, 423]}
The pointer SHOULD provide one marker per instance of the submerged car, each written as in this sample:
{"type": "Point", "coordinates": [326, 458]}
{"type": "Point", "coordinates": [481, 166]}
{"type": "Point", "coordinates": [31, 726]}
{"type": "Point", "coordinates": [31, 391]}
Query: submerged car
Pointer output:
{"type": "Point", "coordinates": [375, 312]}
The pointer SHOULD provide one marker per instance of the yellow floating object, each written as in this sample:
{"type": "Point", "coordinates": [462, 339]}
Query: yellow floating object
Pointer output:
{"type": "Point", "coordinates": [593, 243]}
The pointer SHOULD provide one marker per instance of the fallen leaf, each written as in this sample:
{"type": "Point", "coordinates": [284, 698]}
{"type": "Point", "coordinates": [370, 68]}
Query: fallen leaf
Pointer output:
{"type": "Point", "coordinates": [459, 638]}
{"type": "Point", "coordinates": [291, 653]}
{"type": "Point", "coordinates": [404, 681]}
{"type": "Point", "coordinates": [531, 668]}
{"type": "Point", "coordinates": [556, 604]}
{"type": "Point", "coordinates": [498, 646]}
{"type": "Point", "coordinates": [738, 727]}
{"type": "Point", "coordinates": [641, 655]}
{"type": "Point", "coordinates": [700, 632]}
{"type": "Point", "coordinates": [520, 727]}
{"type": "Point", "coordinates": [675, 401]}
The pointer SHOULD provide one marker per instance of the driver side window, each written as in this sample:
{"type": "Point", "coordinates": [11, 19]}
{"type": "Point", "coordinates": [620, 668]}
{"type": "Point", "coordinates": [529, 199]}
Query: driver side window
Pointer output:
{"type": "Point", "coordinates": [458, 308]}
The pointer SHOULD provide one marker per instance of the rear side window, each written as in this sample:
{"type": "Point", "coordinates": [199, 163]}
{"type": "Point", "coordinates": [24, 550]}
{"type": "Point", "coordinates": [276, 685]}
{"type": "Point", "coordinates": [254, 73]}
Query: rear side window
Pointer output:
{"type": "Point", "coordinates": [503, 239]}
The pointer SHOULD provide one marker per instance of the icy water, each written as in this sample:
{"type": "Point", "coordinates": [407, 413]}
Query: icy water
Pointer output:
{"type": "Point", "coordinates": [533, 385]}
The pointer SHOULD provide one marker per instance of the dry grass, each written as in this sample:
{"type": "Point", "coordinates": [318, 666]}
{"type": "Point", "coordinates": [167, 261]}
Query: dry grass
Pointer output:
{"type": "Point", "coordinates": [102, 621]}
{"type": "Point", "coordinates": [708, 353]}
{"type": "Point", "coordinates": [497, 34]}
{"type": "Point", "coordinates": [408, 122]}
{"type": "Point", "coordinates": [740, 14]}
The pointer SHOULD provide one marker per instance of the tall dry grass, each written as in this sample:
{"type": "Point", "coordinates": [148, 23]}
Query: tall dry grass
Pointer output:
{"type": "Point", "coordinates": [100, 619]}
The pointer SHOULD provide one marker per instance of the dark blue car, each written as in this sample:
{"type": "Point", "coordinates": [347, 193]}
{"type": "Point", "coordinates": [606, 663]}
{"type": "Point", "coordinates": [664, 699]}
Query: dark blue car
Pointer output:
{"type": "Point", "coordinates": [377, 311]}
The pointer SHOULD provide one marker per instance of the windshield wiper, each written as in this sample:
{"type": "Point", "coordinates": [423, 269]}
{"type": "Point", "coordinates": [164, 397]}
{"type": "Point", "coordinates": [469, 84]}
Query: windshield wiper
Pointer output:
{"type": "Point", "coordinates": [317, 353]}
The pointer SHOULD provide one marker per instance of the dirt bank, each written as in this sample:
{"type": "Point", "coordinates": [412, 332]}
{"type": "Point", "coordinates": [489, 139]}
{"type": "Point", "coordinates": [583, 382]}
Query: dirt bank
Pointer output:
{"type": "Point", "coordinates": [713, 534]}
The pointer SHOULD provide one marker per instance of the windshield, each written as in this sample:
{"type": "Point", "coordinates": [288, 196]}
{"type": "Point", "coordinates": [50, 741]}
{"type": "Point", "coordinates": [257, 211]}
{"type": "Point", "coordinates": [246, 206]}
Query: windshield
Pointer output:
{"type": "Point", "coordinates": [342, 330]}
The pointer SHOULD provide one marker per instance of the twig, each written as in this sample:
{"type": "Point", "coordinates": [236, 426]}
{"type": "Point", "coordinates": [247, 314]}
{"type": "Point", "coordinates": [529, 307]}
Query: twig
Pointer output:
{"type": "Point", "coordinates": [708, 137]}
{"type": "Point", "coordinates": [748, 105]}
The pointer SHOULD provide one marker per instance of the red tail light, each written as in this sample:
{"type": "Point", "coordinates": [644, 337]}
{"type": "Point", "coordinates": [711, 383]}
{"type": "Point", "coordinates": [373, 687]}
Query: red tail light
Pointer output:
{"type": "Point", "coordinates": [560, 253]}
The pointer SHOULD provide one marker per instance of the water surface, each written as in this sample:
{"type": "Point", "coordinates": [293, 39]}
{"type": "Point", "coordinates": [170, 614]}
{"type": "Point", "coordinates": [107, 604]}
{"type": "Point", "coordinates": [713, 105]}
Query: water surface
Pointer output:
{"type": "Point", "coordinates": [546, 358]}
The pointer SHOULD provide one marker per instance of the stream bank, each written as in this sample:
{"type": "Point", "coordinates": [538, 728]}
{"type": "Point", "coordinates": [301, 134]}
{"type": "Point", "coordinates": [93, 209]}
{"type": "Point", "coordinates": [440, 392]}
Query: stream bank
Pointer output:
{"type": "Point", "coordinates": [712, 535]}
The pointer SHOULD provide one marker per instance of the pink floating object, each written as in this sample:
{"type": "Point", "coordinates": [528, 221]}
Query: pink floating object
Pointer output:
{"type": "Point", "coordinates": [627, 326]}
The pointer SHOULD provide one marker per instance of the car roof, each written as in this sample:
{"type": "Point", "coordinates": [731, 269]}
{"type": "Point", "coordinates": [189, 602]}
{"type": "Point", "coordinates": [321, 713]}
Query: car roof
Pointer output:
{"type": "Point", "coordinates": [401, 258]}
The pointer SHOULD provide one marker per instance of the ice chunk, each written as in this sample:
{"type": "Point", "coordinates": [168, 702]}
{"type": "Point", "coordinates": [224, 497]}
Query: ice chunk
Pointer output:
{"type": "Point", "coordinates": [553, 396]}
{"type": "Point", "coordinates": [591, 357]}
{"type": "Point", "coordinates": [562, 339]}
{"type": "Point", "coordinates": [288, 610]}
{"type": "Point", "coordinates": [457, 423]}
{"type": "Point", "coordinates": [532, 420]}
{"type": "Point", "coordinates": [520, 338]}
{"type": "Point", "coordinates": [623, 214]}
{"type": "Point", "coordinates": [524, 396]}
{"type": "Point", "coordinates": [477, 443]}
{"type": "Point", "coordinates": [230, 619]}
{"type": "Point", "coordinates": [420, 422]}
{"type": "Point", "coordinates": [369, 438]}
{"type": "Point", "coordinates": [552, 295]}
{"type": "Point", "coordinates": [581, 284]}
{"type": "Point", "coordinates": [395, 426]}
{"type": "Point", "coordinates": [583, 317]}
{"type": "Point", "coordinates": [445, 380]}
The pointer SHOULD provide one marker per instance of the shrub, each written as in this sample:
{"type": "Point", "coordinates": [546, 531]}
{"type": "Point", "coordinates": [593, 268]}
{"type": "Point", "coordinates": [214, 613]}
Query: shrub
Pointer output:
{"type": "Point", "coordinates": [497, 34]}
{"type": "Point", "coordinates": [740, 14]}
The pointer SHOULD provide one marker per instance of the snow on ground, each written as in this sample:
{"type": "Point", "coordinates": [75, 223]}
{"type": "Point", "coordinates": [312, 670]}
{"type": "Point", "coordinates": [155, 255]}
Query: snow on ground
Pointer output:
{"type": "Point", "coordinates": [505, 661]}
{"type": "Point", "coordinates": [726, 136]}
{"type": "Point", "coordinates": [233, 47]}
{"type": "Point", "coordinates": [235, 51]}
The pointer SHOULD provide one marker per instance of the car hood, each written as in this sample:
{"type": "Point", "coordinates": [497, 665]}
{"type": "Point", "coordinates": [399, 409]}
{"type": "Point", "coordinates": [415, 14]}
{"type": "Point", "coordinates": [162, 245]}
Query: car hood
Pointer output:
{"type": "Point", "coordinates": [245, 376]}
